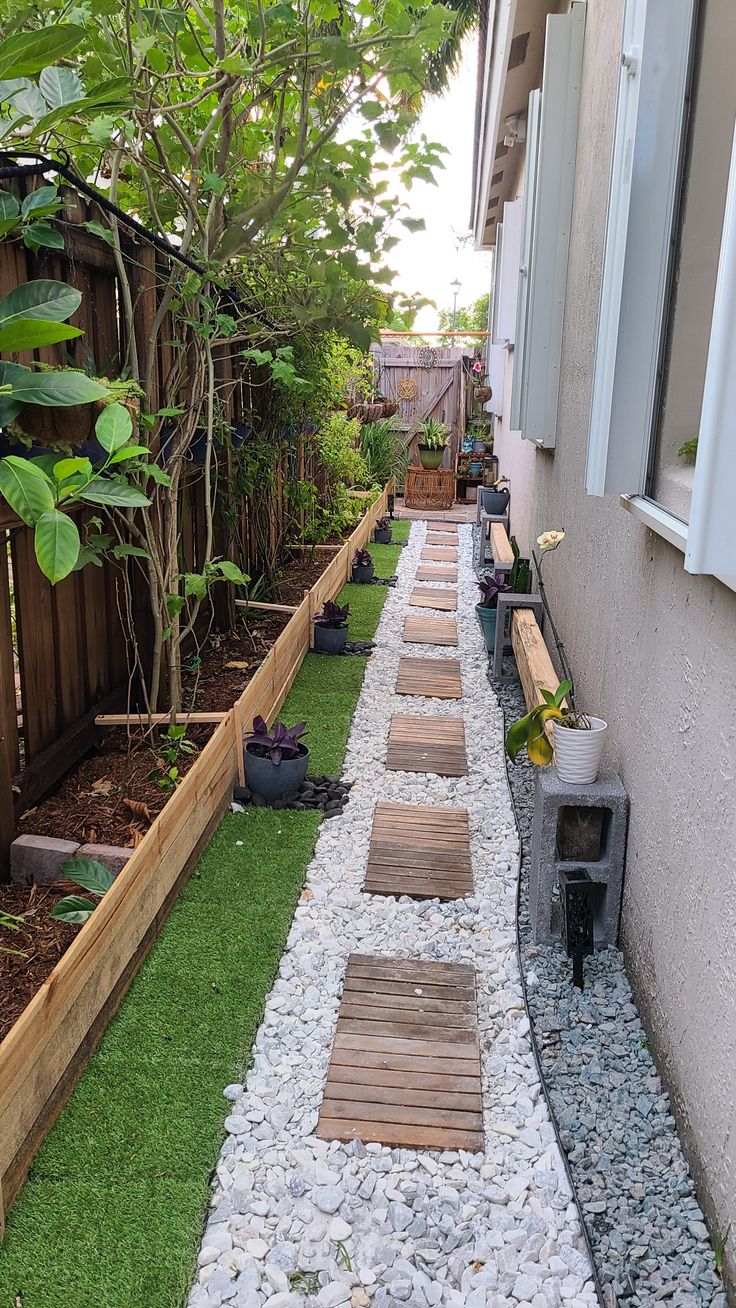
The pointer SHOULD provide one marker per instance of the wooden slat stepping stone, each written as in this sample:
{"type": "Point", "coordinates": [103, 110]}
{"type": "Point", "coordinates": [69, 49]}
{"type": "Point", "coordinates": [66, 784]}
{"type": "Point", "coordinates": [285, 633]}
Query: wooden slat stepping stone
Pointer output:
{"type": "Point", "coordinates": [431, 598]}
{"type": "Point", "coordinates": [405, 1064]}
{"type": "Point", "coordinates": [418, 743]}
{"type": "Point", "coordinates": [441, 538]}
{"type": "Point", "coordinates": [437, 572]}
{"type": "Point", "coordinates": [422, 630]}
{"type": "Point", "coordinates": [419, 851]}
{"type": "Point", "coordinates": [435, 678]}
{"type": "Point", "coordinates": [438, 554]}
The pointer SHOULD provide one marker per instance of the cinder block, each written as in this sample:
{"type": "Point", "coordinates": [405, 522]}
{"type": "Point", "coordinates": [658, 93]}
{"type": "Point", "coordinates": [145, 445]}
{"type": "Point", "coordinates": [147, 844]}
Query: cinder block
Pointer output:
{"type": "Point", "coordinates": [113, 857]}
{"type": "Point", "coordinates": [37, 860]}
{"type": "Point", "coordinates": [607, 871]}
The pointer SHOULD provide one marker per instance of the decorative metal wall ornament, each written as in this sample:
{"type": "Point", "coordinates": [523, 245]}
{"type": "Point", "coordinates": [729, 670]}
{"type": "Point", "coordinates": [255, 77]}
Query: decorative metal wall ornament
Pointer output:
{"type": "Point", "coordinates": [426, 356]}
{"type": "Point", "coordinates": [407, 389]}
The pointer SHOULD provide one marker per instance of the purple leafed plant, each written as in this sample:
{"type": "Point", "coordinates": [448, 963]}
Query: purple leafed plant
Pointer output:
{"type": "Point", "coordinates": [383, 524]}
{"type": "Point", "coordinates": [280, 742]}
{"type": "Point", "coordinates": [333, 615]}
{"type": "Point", "coordinates": [491, 587]}
{"type": "Point", "coordinates": [362, 559]}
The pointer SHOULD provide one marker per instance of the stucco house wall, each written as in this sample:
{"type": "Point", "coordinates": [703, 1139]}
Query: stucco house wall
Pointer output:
{"type": "Point", "coordinates": [654, 653]}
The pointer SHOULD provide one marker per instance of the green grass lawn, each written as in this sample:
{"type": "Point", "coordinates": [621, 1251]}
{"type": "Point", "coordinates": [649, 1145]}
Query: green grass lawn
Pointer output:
{"type": "Point", "coordinates": [112, 1213]}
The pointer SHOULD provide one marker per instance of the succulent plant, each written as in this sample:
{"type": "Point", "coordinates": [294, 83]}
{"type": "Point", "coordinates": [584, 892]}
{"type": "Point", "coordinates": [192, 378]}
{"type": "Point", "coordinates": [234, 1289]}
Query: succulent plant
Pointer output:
{"type": "Point", "coordinates": [332, 615]}
{"type": "Point", "coordinates": [280, 742]}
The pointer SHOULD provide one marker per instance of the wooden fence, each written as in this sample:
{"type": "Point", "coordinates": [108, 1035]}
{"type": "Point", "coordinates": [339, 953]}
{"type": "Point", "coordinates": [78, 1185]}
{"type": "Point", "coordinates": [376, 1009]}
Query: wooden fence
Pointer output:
{"type": "Point", "coordinates": [44, 1054]}
{"type": "Point", "coordinates": [62, 648]}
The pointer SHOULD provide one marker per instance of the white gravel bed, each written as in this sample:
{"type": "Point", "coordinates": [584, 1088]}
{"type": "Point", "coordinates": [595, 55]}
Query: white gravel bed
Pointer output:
{"type": "Point", "coordinates": [296, 1221]}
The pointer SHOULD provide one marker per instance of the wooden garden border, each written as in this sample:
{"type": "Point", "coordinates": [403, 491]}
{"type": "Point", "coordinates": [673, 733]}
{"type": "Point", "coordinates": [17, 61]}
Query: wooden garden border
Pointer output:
{"type": "Point", "coordinates": [45, 1052]}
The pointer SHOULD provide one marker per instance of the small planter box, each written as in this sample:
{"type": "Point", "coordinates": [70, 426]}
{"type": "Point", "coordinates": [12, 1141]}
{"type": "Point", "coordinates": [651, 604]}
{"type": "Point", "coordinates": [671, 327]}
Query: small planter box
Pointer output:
{"type": "Point", "coordinates": [429, 490]}
{"type": "Point", "coordinates": [45, 1052]}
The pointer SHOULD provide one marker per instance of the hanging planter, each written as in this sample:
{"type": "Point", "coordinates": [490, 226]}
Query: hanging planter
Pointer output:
{"type": "Point", "coordinates": [73, 424]}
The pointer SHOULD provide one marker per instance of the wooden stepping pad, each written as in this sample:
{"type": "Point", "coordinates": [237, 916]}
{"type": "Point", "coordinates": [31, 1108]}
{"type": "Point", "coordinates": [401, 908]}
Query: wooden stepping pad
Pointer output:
{"type": "Point", "coordinates": [438, 554]}
{"type": "Point", "coordinates": [418, 743]}
{"type": "Point", "coordinates": [405, 1065]}
{"type": "Point", "coordinates": [436, 572]}
{"type": "Point", "coordinates": [422, 630]}
{"type": "Point", "coordinates": [442, 538]}
{"type": "Point", "coordinates": [431, 598]}
{"type": "Point", "coordinates": [420, 851]}
{"type": "Point", "coordinates": [435, 678]}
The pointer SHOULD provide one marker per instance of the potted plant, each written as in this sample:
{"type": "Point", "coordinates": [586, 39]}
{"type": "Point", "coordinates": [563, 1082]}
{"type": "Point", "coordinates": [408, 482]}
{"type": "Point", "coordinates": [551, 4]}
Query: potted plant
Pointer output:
{"type": "Point", "coordinates": [331, 628]}
{"type": "Point", "coordinates": [578, 737]}
{"type": "Point", "coordinates": [382, 532]}
{"type": "Point", "coordinates": [434, 438]}
{"type": "Point", "coordinates": [275, 762]}
{"type": "Point", "coordinates": [362, 567]}
{"type": "Point", "coordinates": [487, 610]}
{"type": "Point", "coordinates": [496, 497]}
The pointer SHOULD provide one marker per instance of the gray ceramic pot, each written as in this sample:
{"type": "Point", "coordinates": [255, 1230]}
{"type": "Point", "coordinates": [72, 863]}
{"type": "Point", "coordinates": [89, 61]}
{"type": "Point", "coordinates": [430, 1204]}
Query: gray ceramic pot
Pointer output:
{"type": "Point", "coordinates": [495, 502]}
{"type": "Point", "coordinates": [382, 536]}
{"type": "Point", "coordinates": [274, 780]}
{"type": "Point", "coordinates": [364, 574]}
{"type": "Point", "coordinates": [331, 640]}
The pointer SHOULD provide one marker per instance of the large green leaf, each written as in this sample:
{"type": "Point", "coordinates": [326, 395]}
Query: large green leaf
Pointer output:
{"type": "Point", "coordinates": [9, 207]}
{"type": "Point", "coordinates": [58, 389]}
{"type": "Point", "coordinates": [27, 53]}
{"type": "Point", "coordinates": [42, 236]}
{"type": "Point", "coordinates": [56, 542]}
{"type": "Point", "coordinates": [89, 874]}
{"type": "Point", "coordinates": [29, 102]}
{"type": "Point", "coordinates": [30, 333]}
{"type": "Point", "coordinates": [45, 197]}
{"type": "Point", "coordinates": [60, 86]}
{"type": "Point", "coordinates": [114, 493]}
{"type": "Point", "coordinates": [74, 909]}
{"type": "Point", "coordinates": [53, 301]}
{"type": "Point", "coordinates": [114, 427]}
{"type": "Point", "coordinates": [25, 488]}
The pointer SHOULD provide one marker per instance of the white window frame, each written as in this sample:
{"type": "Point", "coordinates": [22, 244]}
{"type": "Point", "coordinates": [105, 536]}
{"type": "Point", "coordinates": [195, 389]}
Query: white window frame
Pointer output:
{"type": "Point", "coordinates": [552, 132]}
{"type": "Point", "coordinates": [657, 46]}
{"type": "Point", "coordinates": [508, 247]}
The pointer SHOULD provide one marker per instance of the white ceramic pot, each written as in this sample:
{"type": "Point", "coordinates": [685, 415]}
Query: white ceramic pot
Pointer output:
{"type": "Point", "coordinates": [578, 753]}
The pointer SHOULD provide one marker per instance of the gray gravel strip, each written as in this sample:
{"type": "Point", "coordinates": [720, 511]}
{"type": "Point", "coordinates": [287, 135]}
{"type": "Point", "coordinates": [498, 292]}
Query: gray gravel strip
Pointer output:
{"type": "Point", "coordinates": [632, 1180]}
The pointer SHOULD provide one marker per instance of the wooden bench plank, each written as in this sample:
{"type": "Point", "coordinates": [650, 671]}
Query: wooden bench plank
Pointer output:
{"type": "Point", "coordinates": [503, 555]}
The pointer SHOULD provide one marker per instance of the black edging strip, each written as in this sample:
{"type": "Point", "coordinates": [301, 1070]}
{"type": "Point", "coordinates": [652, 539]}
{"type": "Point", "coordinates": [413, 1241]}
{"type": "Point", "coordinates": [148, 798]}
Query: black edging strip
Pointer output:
{"type": "Point", "coordinates": [533, 1038]}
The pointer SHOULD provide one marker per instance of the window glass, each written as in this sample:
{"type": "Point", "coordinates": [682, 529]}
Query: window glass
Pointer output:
{"type": "Point", "coordinates": [698, 225]}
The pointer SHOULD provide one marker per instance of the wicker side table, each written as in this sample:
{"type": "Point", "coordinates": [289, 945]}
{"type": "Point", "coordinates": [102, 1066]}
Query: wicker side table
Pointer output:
{"type": "Point", "coordinates": [425, 489]}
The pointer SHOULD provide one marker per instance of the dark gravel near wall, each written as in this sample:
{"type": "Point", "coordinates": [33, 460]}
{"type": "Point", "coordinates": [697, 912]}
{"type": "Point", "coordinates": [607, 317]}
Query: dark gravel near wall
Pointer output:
{"type": "Point", "coordinates": [633, 1184]}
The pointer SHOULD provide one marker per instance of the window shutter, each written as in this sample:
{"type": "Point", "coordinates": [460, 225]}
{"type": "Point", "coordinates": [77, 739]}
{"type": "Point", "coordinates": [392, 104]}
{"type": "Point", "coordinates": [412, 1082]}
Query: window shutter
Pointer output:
{"type": "Point", "coordinates": [525, 255]}
{"type": "Point", "coordinates": [650, 121]}
{"type": "Point", "coordinates": [508, 243]}
{"type": "Point", "coordinates": [552, 196]}
{"type": "Point", "coordinates": [711, 536]}
{"type": "Point", "coordinates": [497, 356]}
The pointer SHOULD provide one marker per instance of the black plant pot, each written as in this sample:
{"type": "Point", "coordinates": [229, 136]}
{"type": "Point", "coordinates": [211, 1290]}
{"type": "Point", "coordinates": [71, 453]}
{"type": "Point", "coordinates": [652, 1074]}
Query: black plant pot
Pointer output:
{"type": "Point", "coordinates": [330, 640]}
{"type": "Point", "coordinates": [382, 535]}
{"type": "Point", "coordinates": [495, 502]}
{"type": "Point", "coordinates": [363, 575]}
{"type": "Point", "coordinates": [274, 780]}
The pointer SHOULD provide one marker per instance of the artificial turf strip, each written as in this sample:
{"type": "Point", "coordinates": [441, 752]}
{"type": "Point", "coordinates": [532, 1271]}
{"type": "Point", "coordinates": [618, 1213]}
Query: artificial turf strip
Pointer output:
{"type": "Point", "coordinates": [112, 1212]}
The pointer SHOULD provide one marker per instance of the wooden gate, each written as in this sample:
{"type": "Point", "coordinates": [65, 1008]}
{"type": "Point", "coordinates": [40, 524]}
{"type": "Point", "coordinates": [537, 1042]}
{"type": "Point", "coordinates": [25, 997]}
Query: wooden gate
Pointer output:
{"type": "Point", "coordinates": [425, 382]}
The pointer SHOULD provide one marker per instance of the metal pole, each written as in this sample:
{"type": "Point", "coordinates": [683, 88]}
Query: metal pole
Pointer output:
{"type": "Point", "coordinates": [455, 292]}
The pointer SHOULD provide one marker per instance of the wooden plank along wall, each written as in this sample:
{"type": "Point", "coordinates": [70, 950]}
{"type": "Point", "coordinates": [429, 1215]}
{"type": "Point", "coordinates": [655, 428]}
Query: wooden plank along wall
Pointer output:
{"type": "Point", "coordinates": [61, 648]}
{"type": "Point", "coordinates": [45, 1052]}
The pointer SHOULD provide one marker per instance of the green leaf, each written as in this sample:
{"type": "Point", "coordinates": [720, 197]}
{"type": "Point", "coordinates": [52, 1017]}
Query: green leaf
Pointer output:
{"type": "Point", "coordinates": [56, 542]}
{"type": "Point", "coordinates": [97, 229]}
{"type": "Point", "coordinates": [52, 301]}
{"type": "Point", "coordinates": [129, 452]}
{"type": "Point", "coordinates": [89, 874]}
{"type": "Point", "coordinates": [114, 493]}
{"type": "Point", "coordinates": [195, 583]}
{"type": "Point", "coordinates": [174, 604]}
{"type": "Point", "coordinates": [40, 199]}
{"type": "Point", "coordinates": [27, 490]}
{"type": "Point", "coordinates": [563, 689]}
{"type": "Point", "coordinates": [42, 236]}
{"type": "Point", "coordinates": [130, 552]}
{"type": "Point", "coordinates": [64, 468]}
{"type": "Point", "coordinates": [60, 86]}
{"type": "Point", "coordinates": [30, 333]}
{"type": "Point", "coordinates": [9, 207]}
{"type": "Point", "coordinates": [158, 475]}
{"type": "Point", "coordinates": [231, 572]}
{"type": "Point", "coordinates": [58, 389]}
{"type": "Point", "coordinates": [516, 736]}
{"type": "Point", "coordinates": [74, 909]}
{"type": "Point", "coordinates": [30, 102]}
{"type": "Point", "coordinates": [114, 427]}
{"type": "Point", "coordinates": [27, 53]}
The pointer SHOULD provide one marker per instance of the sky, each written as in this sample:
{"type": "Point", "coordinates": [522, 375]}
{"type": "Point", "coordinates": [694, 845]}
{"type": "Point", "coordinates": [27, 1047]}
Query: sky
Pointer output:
{"type": "Point", "coordinates": [427, 262]}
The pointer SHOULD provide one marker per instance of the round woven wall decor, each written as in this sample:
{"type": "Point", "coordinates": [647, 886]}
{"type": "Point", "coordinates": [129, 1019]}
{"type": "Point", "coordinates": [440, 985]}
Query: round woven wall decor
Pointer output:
{"type": "Point", "coordinates": [407, 389]}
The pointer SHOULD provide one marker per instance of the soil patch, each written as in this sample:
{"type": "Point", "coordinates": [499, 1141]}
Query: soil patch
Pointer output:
{"type": "Point", "coordinates": [41, 942]}
{"type": "Point", "coordinates": [300, 573]}
{"type": "Point", "coordinates": [218, 675]}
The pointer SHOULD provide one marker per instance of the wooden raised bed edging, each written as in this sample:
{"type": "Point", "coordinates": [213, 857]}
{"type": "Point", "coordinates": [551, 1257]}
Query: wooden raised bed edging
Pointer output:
{"type": "Point", "coordinates": [45, 1052]}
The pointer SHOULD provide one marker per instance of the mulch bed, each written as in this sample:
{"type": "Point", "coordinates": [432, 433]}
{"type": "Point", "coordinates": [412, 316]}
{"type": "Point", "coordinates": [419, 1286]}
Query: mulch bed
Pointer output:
{"type": "Point", "coordinates": [225, 665]}
{"type": "Point", "coordinates": [42, 941]}
{"type": "Point", "coordinates": [300, 574]}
